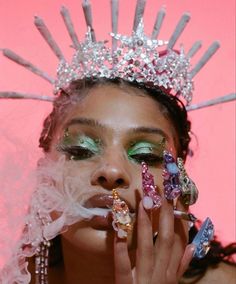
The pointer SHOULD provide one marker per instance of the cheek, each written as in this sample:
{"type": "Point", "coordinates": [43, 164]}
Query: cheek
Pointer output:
{"type": "Point", "coordinates": [78, 173]}
{"type": "Point", "coordinates": [84, 238]}
{"type": "Point", "coordinates": [72, 186]}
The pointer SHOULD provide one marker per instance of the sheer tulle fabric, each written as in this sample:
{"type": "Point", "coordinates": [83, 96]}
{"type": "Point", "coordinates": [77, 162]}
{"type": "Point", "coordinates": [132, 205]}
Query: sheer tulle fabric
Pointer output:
{"type": "Point", "coordinates": [56, 191]}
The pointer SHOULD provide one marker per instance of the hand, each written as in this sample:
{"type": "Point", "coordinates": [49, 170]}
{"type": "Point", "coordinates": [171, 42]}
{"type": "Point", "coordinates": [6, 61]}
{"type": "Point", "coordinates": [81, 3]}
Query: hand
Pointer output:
{"type": "Point", "coordinates": [161, 263]}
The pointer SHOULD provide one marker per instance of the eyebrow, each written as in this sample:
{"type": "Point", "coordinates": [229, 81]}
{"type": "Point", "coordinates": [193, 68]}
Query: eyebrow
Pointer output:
{"type": "Point", "coordinates": [97, 124]}
{"type": "Point", "coordinates": [86, 121]}
{"type": "Point", "coordinates": [149, 130]}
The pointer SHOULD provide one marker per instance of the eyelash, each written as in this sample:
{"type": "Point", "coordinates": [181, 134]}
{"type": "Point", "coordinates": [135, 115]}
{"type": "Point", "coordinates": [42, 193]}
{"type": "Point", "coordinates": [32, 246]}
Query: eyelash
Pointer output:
{"type": "Point", "coordinates": [82, 153]}
{"type": "Point", "coordinates": [76, 152]}
{"type": "Point", "coordinates": [149, 158]}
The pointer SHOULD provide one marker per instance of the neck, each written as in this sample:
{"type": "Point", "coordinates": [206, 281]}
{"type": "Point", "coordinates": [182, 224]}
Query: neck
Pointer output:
{"type": "Point", "coordinates": [84, 267]}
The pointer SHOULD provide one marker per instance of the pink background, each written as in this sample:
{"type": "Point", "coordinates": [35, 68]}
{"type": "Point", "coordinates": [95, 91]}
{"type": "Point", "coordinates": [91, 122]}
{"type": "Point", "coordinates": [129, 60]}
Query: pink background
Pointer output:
{"type": "Point", "coordinates": [213, 165]}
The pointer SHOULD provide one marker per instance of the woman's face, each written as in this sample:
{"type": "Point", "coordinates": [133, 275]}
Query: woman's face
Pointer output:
{"type": "Point", "coordinates": [117, 129]}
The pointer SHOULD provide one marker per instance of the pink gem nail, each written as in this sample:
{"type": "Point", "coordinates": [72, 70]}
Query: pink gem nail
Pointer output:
{"type": "Point", "coordinates": [151, 199]}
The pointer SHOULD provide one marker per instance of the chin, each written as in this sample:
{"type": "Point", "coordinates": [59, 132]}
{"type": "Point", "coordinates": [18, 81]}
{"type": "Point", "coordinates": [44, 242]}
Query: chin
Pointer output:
{"type": "Point", "coordinates": [85, 237]}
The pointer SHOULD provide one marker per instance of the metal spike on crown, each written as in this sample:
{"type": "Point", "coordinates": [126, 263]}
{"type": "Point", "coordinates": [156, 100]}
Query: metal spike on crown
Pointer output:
{"type": "Point", "coordinates": [132, 58]}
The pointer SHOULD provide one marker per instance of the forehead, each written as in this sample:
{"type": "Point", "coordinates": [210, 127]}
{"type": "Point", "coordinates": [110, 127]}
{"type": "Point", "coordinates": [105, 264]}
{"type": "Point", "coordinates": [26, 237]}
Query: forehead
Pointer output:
{"type": "Point", "coordinates": [120, 108]}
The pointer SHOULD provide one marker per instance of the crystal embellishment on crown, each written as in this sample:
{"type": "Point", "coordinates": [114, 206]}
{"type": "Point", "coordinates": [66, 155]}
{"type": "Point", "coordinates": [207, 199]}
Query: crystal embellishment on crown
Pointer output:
{"type": "Point", "coordinates": [136, 58]}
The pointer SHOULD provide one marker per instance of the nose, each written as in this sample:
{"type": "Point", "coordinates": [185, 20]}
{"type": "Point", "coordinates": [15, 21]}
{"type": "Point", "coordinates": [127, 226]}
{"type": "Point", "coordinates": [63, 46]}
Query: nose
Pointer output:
{"type": "Point", "coordinates": [111, 175]}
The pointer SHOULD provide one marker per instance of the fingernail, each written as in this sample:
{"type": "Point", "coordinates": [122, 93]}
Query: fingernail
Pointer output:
{"type": "Point", "coordinates": [176, 181]}
{"type": "Point", "coordinates": [122, 222]}
{"type": "Point", "coordinates": [172, 188]}
{"type": "Point", "coordinates": [203, 238]}
{"type": "Point", "coordinates": [151, 199]}
{"type": "Point", "coordinates": [192, 249]}
{"type": "Point", "coordinates": [189, 191]}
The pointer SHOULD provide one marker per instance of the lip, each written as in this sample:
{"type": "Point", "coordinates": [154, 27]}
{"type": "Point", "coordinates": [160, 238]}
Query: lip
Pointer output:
{"type": "Point", "coordinates": [103, 201]}
{"type": "Point", "coordinates": [99, 201]}
{"type": "Point", "coordinates": [102, 222]}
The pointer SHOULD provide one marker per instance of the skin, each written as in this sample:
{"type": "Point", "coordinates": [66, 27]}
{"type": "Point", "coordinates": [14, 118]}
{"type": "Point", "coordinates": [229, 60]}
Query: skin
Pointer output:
{"type": "Point", "coordinates": [98, 256]}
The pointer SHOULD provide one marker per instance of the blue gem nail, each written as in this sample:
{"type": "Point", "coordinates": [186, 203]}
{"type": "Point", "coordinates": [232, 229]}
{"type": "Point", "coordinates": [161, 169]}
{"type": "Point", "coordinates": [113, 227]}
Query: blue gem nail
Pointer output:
{"type": "Point", "coordinates": [172, 188]}
{"type": "Point", "coordinates": [172, 168]}
{"type": "Point", "coordinates": [176, 181]}
{"type": "Point", "coordinates": [203, 238]}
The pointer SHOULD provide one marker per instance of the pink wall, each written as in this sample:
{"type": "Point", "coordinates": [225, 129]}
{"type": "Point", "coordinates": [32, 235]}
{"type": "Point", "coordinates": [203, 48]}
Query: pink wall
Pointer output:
{"type": "Point", "coordinates": [213, 165]}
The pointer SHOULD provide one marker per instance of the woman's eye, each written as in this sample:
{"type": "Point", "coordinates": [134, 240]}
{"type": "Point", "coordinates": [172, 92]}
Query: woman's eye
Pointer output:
{"type": "Point", "coordinates": [79, 147]}
{"type": "Point", "coordinates": [146, 152]}
{"type": "Point", "coordinates": [150, 159]}
{"type": "Point", "coordinates": [76, 152]}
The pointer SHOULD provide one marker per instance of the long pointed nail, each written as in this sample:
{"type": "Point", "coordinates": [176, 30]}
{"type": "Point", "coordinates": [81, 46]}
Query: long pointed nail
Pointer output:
{"type": "Point", "coordinates": [151, 199]}
{"type": "Point", "coordinates": [172, 188]}
{"type": "Point", "coordinates": [203, 238]}
{"type": "Point", "coordinates": [122, 222]}
{"type": "Point", "coordinates": [177, 183]}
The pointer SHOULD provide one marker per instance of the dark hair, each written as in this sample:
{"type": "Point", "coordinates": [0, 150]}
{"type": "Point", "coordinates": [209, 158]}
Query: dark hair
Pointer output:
{"type": "Point", "coordinates": [171, 107]}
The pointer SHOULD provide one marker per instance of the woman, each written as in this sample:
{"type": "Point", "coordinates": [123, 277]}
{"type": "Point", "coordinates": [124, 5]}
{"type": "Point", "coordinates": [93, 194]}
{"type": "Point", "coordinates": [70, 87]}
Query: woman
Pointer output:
{"type": "Point", "coordinates": [95, 140]}
{"type": "Point", "coordinates": [128, 123]}
{"type": "Point", "coordinates": [111, 127]}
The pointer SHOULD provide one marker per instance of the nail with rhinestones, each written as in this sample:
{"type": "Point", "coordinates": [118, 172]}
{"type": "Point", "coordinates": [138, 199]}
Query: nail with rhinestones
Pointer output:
{"type": "Point", "coordinates": [151, 199]}
{"type": "Point", "coordinates": [122, 222]}
{"type": "Point", "coordinates": [189, 191]}
{"type": "Point", "coordinates": [172, 187]}
{"type": "Point", "coordinates": [203, 238]}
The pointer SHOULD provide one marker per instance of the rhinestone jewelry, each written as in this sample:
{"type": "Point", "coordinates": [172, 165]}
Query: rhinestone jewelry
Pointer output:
{"type": "Point", "coordinates": [177, 183]}
{"type": "Point", "coordinates": [189, 191]}
{"type": "Point", "coordinates": [172, 187]}
{"type": "Point", "coordinates": [41, 263]}
{"type": "Point", "coordinates": [121, 216]}
{"type": "Point", "coordinates": [203, 238]}
{"type": "Point", "coordinates": [151, 199]}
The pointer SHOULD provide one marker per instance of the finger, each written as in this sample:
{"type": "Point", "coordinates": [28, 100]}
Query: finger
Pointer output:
{"type": "Point", "coordinates": [165, 239]}
{"type": "Point", "coordinates": [144, 256]}
{"type": "Point", "coordinates": [186, 259]}
{"type": "Point", "coordinates": [180, 242]}
{"type": "Point", "coordinates": [123, 271]}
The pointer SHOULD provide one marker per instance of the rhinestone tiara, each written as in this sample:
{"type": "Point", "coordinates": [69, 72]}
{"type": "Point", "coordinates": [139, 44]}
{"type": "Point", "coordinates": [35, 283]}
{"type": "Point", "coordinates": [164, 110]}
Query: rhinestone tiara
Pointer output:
{"type": "Point", "coordinates": [137, 57]}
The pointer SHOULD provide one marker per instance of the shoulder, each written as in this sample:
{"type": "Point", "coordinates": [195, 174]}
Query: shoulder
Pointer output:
{"type": "Point", "coordinates": [222, 274]}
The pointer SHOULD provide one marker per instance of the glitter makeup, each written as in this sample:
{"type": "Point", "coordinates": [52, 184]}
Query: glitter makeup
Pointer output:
{"type": "Point", "coordinates": [79, 146]}
{"type": "Point", "coordinates": [146, 151]}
